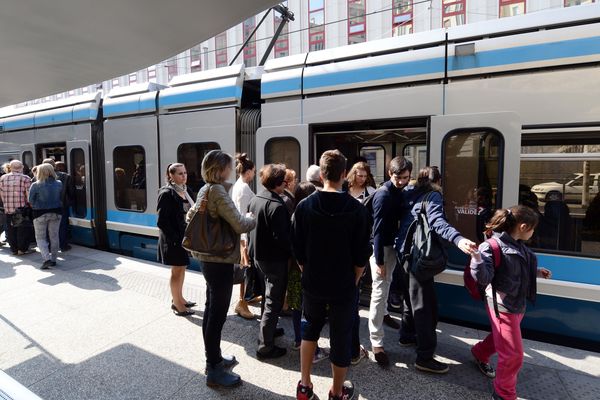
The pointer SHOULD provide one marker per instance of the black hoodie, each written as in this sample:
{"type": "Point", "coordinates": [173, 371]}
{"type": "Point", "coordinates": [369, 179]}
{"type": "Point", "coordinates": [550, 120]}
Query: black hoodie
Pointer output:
{"type": "Point", "coordinates": [330, 236]}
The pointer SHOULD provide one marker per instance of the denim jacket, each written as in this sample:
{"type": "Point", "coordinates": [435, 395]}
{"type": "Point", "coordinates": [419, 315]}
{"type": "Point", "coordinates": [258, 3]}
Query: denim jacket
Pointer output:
{"type": "Point", "coordinates": [516, 278]}
{"type": "Point", "coordinates": [46, 195]}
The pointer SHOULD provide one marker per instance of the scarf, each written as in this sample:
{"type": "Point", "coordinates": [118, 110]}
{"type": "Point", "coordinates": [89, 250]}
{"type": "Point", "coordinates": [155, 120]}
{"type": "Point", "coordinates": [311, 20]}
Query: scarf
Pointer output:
{"type": "Point", "coordinates": [183, 189]}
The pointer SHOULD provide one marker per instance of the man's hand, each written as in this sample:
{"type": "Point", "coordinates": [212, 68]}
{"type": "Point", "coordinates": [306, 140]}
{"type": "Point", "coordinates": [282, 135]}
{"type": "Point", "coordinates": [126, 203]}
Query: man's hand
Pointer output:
{"type": "Point", "coordinates": [467, 246]}
{"type": "Point", "coordinates": [381, 270]}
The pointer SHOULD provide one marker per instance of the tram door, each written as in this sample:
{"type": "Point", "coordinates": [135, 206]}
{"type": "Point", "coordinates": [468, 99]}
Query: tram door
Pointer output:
{"type": "Point", "coordinates": [284, 144]}
{"type": "Point", "coordinates": [82, 218]}
{"type": "Point", "coordinates": [28, 154]}
{"type": "Point", "coordinates": [478, 156]}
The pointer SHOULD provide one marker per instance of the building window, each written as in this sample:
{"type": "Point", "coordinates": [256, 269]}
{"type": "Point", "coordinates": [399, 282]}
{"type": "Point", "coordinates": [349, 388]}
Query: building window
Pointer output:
{"type": "Point", "coordinates": [472, 173]}
{"type": "Point", "coordinates": [569, 3]}
{"type": "Point", "coordinates": [402, 17]}
{"type": "Point", "coordinates": [510, 8]}
{"type": "Point", "coordinates": [191, 155]}
{"type": "Point", "coordinates": [132, 78]}
{"type": "Point", "coordinates": [283, 151]}
{"type": "Point", "coordinates": [195, 58]}
{"type": "Point", "coordinates": [250, 49]}
{"type": "Point", "coordinates": [357, 21]}
{"type": "Point", "coordinates": [316, 23]}
{"type": "Point", "coordinates": [453, 13]}
{"type": "Point", "coordinates": [78, 169]}
{"type": "Point", "coordinates": [282, 45]}
{"type": "Point", "coordinates": [152, 74]}
{"type": "Point", "coordinates": [172, 69]}
{"type": "Point", "coordinates": [221, 50]}
{"type": "Point", "coordinates": [130, 178]}
{"type": "Point", "coordinates": [115, 82]}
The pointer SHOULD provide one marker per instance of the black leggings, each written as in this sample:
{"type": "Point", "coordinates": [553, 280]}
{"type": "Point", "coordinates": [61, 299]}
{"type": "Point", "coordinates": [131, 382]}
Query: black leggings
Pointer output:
{"type": "Point", "coordinates": [219, 284]}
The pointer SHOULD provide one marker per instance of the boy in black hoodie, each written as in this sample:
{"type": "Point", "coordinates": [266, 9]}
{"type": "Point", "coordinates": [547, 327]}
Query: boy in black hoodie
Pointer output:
{"type": "Point", "coordinates": [330, 237]}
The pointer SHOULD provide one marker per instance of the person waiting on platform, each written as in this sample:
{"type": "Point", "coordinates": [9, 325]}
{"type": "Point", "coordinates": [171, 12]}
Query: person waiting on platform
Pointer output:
{"type": "Point", "coordinates": [241, 195]}
{"type": "Point", "coordinates": [330, 238]}
{"type": "Point", "coordinates": [14, 187]}
{"type": "Point", "coordinates": [174, 201]}
{"type": "Point", "coordinates": [270, 246]}
{"type": "Point", "coordinates": [44, 196]}
{"type": "Point", "coordinates": [218, 269]}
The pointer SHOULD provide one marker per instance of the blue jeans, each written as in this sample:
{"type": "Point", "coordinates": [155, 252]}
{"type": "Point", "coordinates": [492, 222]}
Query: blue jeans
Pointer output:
{"type": "Point", "coordinates": [50, 223]}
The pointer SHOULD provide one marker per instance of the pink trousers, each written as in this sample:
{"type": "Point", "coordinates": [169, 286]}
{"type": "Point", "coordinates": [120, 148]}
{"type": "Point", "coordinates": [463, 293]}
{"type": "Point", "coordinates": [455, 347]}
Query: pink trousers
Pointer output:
{"type": "Point", "coordinates": [505, 340]}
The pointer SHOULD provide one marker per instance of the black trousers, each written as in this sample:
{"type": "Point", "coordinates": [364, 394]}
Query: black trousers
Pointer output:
{"type": "Point", "coordinates": [254, 282]}
{"type": "Point", "coordinates": [276, 276]}
{"type": "Point", "coordinates": [18, 237]}
{"type": "Point", "coordinates": [356, 330]}
{"type": "Point", "coordinates": [219, 284]}
{"type": "Point", "coordinates": [420, 315]}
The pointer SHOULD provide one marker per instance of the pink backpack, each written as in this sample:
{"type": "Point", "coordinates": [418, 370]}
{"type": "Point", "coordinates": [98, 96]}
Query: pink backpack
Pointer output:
{"type": "Point", "coordinates": [476, 290]}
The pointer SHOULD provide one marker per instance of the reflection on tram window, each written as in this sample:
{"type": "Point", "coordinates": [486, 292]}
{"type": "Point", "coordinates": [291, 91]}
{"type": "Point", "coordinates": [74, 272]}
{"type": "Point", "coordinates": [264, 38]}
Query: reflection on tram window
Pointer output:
{"type": "Point", "coordinates": [284, 151]}
{"type": "Point", "coordinates": [28, 159]}
{"type": "Point", "coordinates": [471, 180]}
{"type": "Point", "coordinates": [561, 182]}
{"type": "Point", "coordinates": [79, 204]}
{"type": "Point", "coordinates": [191, 155]}
{"type": "Point", "coordinates": [130, 178]}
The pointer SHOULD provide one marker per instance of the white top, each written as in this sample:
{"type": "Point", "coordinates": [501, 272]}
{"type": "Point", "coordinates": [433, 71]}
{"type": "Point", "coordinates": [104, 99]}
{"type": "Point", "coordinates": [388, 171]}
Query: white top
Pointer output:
{"type": "Point", "coordinates": [241, 195]}
{"type": "Point", "coordinates": [363, 196]}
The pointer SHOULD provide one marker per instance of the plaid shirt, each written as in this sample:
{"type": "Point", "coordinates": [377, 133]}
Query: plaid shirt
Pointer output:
{"type": "Point", "coordinates": [13, 189]}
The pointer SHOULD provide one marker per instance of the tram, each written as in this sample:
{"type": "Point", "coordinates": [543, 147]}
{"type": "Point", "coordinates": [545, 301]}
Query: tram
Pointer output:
{"type": "Point", "coordinates": [508, 109]}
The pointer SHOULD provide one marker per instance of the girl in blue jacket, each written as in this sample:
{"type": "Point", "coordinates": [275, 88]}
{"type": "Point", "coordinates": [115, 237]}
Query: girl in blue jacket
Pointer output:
{"type": "Point", "coordinates": [512, 283]}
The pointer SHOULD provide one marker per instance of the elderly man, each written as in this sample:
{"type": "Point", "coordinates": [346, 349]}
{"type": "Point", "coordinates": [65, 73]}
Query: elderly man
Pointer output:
{"type": "Point", "coordinates": [14, 188]}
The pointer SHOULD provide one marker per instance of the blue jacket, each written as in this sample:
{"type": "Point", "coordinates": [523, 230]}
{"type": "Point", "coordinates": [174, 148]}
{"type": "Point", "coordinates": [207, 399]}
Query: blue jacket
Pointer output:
{"type": "Point", "coordinates": [45, 196]}
{"type": "Point", "coordinates": [435, 216]}
{"type": "Point", "coordinates": [516, 278]}
{"type": "Point", "coordinates": [387, 212]}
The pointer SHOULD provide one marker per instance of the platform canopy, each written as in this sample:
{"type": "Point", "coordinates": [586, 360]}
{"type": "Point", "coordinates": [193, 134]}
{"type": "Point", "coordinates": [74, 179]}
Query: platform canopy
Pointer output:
{"type": "Point", "coordinates": [51, 46]}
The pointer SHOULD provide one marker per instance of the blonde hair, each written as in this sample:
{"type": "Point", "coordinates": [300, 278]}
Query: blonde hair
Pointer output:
{"type": "Point", "coordinates": [44, 171]}
{"type": "Point", "coordinates": [213, 165]}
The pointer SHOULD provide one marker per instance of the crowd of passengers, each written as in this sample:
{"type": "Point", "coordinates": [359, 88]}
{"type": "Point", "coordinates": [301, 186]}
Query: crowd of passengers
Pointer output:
{"type": "Point", "coordinates": [309, 244]}
{"type": "Point", "coordinates": [34, 208]}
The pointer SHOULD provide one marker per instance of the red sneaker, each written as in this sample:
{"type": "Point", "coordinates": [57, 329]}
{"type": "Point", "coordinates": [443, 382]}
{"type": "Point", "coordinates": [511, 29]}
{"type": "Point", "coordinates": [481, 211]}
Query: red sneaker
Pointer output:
{"type": "Point", "coordinates": [304, 392]}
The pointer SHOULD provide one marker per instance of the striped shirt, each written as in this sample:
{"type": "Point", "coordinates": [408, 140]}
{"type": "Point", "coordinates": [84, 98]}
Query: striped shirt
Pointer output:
{"type": "Point", "coordinates": [13, 189]}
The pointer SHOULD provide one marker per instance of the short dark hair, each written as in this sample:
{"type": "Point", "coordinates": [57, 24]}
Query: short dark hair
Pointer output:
{"type": "Point", "coordinates": [399, 164]}
{"type": "Point", "coordinates": [272, 175]}
{"type": "Point", "coordinates": [333, 165]}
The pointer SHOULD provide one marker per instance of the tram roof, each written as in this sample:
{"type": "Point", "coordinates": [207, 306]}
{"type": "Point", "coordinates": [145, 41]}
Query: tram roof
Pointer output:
{"type": "Point", "coordinates": [52, 47]}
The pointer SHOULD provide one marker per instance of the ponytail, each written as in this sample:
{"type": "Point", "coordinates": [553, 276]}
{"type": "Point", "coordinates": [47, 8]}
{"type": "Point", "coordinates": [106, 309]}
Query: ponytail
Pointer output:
{"type": "Point", "coordinates": [243, 163]}
{"type": "Point", "coordinates": [171, 169]}
{"type": "Point", "coordinates": [507, 219]}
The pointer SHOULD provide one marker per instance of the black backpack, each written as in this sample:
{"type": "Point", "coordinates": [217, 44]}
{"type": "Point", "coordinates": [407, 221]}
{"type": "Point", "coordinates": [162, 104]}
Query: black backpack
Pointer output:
{"type": "Point", "coordinates": [424, 253]}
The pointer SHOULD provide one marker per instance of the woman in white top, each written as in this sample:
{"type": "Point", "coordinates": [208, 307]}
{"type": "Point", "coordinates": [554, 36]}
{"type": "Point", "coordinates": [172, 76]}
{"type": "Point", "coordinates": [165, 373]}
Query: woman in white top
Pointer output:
{"type": "Point", "coordinates": [242, 194]}
{"type": "Point", "coordinates": [358, 181]}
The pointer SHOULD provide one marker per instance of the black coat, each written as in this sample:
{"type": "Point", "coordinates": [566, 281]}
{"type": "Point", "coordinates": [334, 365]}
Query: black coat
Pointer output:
{"type": "Point", "coordinates": [270, 240]}
{"type": "Point", "coordinates": [171, 225]}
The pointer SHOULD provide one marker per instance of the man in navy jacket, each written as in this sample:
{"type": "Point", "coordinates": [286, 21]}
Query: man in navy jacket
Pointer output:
{"type": "Point", "coordinates": [387, 212]}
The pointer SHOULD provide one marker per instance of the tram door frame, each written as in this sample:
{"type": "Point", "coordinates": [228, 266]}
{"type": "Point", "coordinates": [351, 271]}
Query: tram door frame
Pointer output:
{"type": "Point", "coordinates": [88, 220]}
{"type": "Point", "coordinates": [300, 133]}
{"type": "Point", "coordinates": [24, 148]}
{"type": "Point", "coordinates": [507, 123]}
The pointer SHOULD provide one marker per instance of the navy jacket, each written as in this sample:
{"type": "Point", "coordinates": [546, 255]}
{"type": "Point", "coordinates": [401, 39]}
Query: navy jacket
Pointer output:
{"type": "Point", "coordinates": [270, 240]}
{"type": "Point", "coordinates": [387, 212]}
{"type": "Point", "coordinates": [516, 278]}
{"type": "Point", "coordinates": [330, 237]}
{"type": "Point", "coordinates": [435, 216]}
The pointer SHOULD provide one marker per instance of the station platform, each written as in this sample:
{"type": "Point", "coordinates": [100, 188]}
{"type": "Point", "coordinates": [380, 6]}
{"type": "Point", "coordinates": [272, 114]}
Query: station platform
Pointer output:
{"type": "Point", "coordinates": [99, 326]}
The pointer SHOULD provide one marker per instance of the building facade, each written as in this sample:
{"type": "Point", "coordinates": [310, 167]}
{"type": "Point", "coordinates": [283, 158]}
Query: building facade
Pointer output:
{"type": "Point", "coordinates": [324, 24]}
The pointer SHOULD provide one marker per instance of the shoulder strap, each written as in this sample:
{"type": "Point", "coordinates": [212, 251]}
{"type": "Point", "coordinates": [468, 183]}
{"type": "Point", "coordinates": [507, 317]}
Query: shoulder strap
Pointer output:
{"type": "Point", "coordinates": [497, 256]}
{"type": "Point", "coordinates": [425, 201]}
{"type": "Point", "coordinates": [496, 252]}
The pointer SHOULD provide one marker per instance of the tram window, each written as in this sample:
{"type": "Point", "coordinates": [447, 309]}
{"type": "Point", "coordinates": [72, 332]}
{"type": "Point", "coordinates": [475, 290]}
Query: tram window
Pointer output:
{"type": "Point", "coordinates": [78, 168]}
{"type": "Point", "coordinates": [28, 159]}
{"type": "Point", "coordinates": [375, 156]}
{"type": "Point", "coordinates": [561, 182]}
{"type": "Point", "coordinates": [285, 151]}
{"type": "Point", "coordinates": [471, 179]}
{"type": "Point", "coordinates": [130, 178]}
{"type": "Point", "coordinates": [191, 155]}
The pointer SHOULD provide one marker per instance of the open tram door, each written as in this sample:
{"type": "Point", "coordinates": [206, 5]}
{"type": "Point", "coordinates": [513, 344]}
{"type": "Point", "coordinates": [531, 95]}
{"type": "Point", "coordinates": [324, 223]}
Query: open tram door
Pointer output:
{"type": "Point", "coordinates": [81, 217]}
{"type": "Point", "coordinates": [478, 156]}
{"type": "Point", "coordinates": [28, 155]}
{"type": "Point", "coordinates": [288, 145]}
